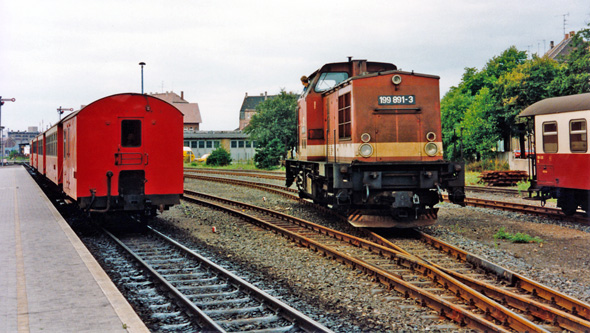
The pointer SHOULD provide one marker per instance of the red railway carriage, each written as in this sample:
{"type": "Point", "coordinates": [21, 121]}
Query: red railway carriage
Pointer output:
{"type": "Point", "coordinates": [117, 154]}
{"type": "Point", "coordinates": [369, 141]}
{"type": "Point", "coordinates": [561, 162]}
{"type": "Point", "coordinates": [54, 154]}
{"type": "Point", "coordinates": [37, 153]}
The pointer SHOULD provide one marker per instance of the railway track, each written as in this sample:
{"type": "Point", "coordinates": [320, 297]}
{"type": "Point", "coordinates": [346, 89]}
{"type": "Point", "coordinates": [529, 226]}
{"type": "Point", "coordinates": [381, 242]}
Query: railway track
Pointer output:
{"type": "Point", "coordinates": [441, 289]}
{"type": "Point", "coordinates": [530, 299]}
{"type": "Point", "coordinates": [554, 213]}
{"type": "Point", "coordinates": [219, 300]}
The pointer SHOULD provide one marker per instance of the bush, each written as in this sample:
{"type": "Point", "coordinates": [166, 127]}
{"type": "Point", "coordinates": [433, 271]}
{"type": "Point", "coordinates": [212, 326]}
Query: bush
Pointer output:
{"type": "Point", "coordinates": [219, 157]}
{"type": "Point", "coordinates": [487, 165]}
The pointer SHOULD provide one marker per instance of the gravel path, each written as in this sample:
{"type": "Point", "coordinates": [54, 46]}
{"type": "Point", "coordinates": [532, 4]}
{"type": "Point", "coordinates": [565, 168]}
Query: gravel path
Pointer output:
{"type": "Point", "coordinates": [346, 300]}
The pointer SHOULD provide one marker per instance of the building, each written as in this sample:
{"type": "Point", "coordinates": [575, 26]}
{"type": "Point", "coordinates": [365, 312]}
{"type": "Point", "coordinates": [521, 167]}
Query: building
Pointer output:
{"type": "Point", "coordinates": [17, 140]}
{"type": "Point", "coordinates": [235, 142]}
{"type": "Point", "coordinates": [191, 112]}
{"type": "Point", "coordinates": [248, 108]}
{"type": "Point", "coordinates": [562, 49]}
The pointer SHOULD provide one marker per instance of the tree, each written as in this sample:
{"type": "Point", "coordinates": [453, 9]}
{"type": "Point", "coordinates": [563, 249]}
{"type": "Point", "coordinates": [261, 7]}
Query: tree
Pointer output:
{"type": "Point", "coordinates": [274, 128]}
{"type": "Point", "coordinates": [574, 76]}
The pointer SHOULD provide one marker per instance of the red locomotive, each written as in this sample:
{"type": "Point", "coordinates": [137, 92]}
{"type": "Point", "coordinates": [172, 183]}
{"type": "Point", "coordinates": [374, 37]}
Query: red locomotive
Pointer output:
{"type": "Point", "coordinates": [116, 154]}
{"type": "Point", "coordinates": [561, 163]}
{"type": "Point", "coordinates": [369, 143]}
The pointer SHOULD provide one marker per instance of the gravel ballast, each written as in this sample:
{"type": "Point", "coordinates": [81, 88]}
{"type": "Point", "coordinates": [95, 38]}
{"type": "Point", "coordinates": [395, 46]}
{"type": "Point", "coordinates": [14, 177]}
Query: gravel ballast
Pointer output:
{"type": "Point", "coordinates": [345, 299]}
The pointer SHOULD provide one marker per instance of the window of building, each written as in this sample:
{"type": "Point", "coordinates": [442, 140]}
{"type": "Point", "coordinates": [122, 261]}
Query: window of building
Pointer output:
{"type": "Point", "coordinates": [130, 133]}
{"type": "Point", "coordinates": [216, 144]}
{"type": "Point", "coordinates": [234, 144]}
{"type": "Point", "coordinates": [194, 144]}
{"type": "Point", "coordinates": [578, 136]}
{"type": "Point", "coordinates": [550, 137]}
{"type": "Point", "coordinates": [201, 144]}
{"type": "Point", "coordinates": [248, 144]}
{"type": "Point", "coordinates": [241, 144]}
{"type": "Point", "coordinates": [209, 144]}
{"type": "Point", "coordinates": [187, 143]}
{"type": "Point", "coordinates": [344, 119]}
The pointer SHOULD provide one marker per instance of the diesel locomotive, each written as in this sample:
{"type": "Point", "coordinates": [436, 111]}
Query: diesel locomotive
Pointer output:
{"type": "Point", "coordinates": [369, 145]}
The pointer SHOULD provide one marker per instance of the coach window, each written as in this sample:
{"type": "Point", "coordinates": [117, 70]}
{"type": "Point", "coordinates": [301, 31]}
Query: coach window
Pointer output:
{"type": "Point", "coordinates": [550, 137]}
{"type": "Point", "coordinates": [578, 136]}
{"type": "Point", "coordinates": [130, 133]}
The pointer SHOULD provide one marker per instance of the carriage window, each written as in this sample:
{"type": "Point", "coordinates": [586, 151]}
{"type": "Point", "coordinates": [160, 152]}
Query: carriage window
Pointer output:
{"type": "Point", "coordinates": [344, 120]}
{"type": "Point", "coordinates": [130, 133]}
{"type": "Point", "coordinates": [329, 80]}
{"type": "Point", "coordinates": [578, 136]}
{"type": "Point", "coordinates": [550, 137]}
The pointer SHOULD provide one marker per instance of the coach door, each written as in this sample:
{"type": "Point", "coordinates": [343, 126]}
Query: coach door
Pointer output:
{"type": "Point", "coordinates": [130, 150]}
{"type": "Point", "coordinates": [131, 162]}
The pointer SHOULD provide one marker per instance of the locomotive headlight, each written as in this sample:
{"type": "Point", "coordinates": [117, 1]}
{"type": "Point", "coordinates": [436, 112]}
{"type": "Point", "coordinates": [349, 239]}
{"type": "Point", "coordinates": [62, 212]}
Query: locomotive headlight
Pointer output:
{"type": "Point", "coordinates": [365, 137]}
{"type": "Point", "coordinates": [366, 150]}
{"type": "Point", "coordinates": [431, 149]}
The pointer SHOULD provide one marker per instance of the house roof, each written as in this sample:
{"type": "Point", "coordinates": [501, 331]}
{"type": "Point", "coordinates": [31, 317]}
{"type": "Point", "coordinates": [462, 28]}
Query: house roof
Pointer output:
{"type": "Point", "coordinates": [215, 135]}
{"type": "Point", "coordinates": [250, 103]}
{"type": "Point", "coordinates": [560, 104]}
{"type": "Point", "coordinates": [191, 111]}
{"type": "Point", "coordinates": [561, 49]}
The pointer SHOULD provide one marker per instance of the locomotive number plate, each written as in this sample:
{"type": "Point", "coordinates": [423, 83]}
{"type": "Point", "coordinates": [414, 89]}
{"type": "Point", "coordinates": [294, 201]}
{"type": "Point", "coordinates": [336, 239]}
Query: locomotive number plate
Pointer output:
{"type": "Point", "coordinates": [397, 100]}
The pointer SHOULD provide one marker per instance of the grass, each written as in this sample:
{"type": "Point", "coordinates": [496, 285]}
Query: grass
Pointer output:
{"type": "Point", "coordinates": [233, 166]}
{"type": "Point", "coordinates": [517, 237]}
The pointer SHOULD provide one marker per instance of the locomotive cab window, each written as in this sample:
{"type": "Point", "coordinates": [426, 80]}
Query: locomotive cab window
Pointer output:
{"type": "Point", "coordinates": [130, 133]}
{"type": "Point", "coordinates": [329, 80]}
{"type": "Point", "coordinates": [550, 137]}
{"type": "Point", "coordinates": [578, 136]}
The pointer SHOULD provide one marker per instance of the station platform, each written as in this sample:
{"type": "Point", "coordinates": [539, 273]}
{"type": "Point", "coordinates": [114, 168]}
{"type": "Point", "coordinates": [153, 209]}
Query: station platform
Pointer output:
{"type": "Point", "coordinates": [48, 280]}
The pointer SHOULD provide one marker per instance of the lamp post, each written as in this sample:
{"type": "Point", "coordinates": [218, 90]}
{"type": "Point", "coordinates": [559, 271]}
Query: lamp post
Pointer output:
{"type": "Point", "coordinates": [2, 100]}
{"type": "Point", "coordinates": [142, 64]}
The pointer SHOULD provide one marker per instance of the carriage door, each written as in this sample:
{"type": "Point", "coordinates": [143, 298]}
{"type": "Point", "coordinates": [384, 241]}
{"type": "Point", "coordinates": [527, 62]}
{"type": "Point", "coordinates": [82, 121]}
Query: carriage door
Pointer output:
{"type": "Point", "coordinates": [131, 160]}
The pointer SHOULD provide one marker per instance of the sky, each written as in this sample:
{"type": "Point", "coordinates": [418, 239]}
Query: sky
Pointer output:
{"type": "Point", "coordinates": [68, 53]}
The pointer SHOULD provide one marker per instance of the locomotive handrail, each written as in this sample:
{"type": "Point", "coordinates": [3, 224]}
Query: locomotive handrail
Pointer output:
{"type": "Point", "coordinates": [398, 111]}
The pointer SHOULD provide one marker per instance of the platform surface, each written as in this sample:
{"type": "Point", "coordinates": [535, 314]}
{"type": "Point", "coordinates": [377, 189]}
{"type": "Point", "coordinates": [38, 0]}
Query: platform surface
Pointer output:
{"type": "Point", "coordinates": [49, 281]}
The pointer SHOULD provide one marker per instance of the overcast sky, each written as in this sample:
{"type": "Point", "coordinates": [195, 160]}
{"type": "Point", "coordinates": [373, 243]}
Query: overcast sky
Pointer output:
{"type": "Point", "coordinates": [69, 53]}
